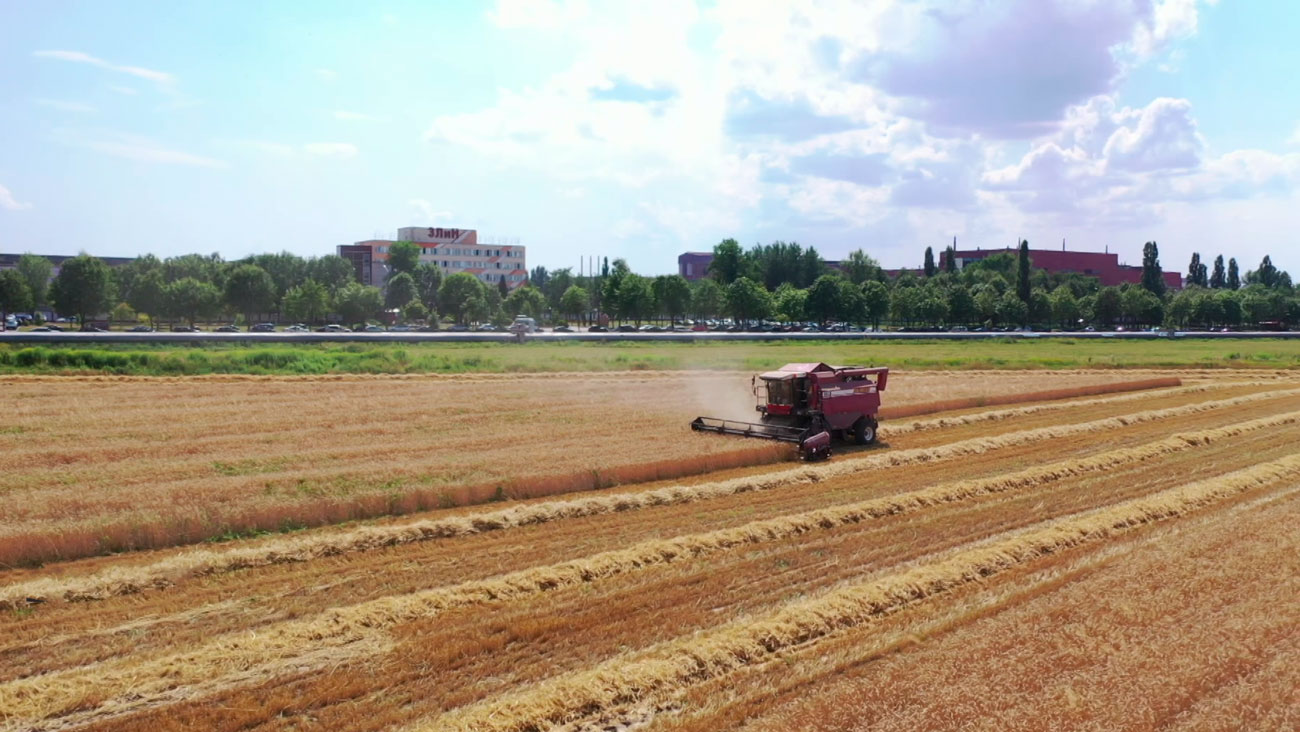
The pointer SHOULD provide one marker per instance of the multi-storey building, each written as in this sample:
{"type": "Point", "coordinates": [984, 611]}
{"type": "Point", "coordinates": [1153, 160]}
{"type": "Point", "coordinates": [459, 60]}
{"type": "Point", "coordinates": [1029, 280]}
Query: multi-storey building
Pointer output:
{"type": "Point", "coordinates": [453, 250]}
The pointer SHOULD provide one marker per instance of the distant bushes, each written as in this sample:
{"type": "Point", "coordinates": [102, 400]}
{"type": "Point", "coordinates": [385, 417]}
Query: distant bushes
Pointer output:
{"type": "Point", "coordinates": [196, 361]}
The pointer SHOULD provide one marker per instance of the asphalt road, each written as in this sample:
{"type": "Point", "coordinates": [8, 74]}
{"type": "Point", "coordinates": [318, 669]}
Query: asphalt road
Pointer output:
{"type": "Point", "coordinates": [448, 337]}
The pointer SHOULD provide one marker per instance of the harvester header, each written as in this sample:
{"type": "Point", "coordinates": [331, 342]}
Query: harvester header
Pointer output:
{"type": "Point", "coordinates": [809, 404]}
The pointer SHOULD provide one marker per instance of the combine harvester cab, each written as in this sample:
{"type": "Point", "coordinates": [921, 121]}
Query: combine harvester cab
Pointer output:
{"type": "Point", "coordinates": [810, 403]}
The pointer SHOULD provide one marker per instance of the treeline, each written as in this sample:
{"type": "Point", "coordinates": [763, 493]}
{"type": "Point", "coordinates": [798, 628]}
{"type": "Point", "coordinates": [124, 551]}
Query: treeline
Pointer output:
{"type": "Point", "coordinates": [281, 286]}
{"type": "Point", "coordinates": [779, 281]}
{"type": "Point", "coordinates": [785, 282]}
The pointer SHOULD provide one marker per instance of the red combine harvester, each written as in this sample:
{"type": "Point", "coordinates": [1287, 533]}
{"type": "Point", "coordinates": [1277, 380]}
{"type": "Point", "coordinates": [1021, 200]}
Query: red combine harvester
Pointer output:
{"type": "Point", "coordinates": [808, 404]}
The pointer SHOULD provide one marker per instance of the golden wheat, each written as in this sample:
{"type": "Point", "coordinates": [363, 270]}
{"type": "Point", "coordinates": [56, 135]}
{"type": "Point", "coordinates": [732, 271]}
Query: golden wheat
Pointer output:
{"type": "Point", "coordinates": [689, 661]}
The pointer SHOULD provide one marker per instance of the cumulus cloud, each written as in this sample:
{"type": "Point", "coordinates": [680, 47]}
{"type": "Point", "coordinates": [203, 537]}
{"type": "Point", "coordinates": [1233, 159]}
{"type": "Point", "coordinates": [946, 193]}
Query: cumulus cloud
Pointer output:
{"type": "Point", "coordinates": [1163, 138]}
{"type": "Point", "coordinates": [1006, 69]}
{"type": "Point", "coordinates": [326, 75]}
{"type": "Point", "coordinates": [9, 203]}
{"type": "Point", "coordinates": [160, 77]}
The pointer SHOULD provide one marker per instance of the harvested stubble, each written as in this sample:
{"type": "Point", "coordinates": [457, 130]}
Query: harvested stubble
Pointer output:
{"type": "Point", "coordinates": [346, 626]}
{"type": "Point", "coordinates": [247, 455]}
{"type": "Point", "coordinates": [689, 661]}
{"type": "Point", "coordinates": [192, 563]}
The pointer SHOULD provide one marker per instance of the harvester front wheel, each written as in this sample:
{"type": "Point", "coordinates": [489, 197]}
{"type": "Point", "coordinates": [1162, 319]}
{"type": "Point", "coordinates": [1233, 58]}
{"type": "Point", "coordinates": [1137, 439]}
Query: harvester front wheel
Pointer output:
{"type": "Point", "coordinates": [864, 431]}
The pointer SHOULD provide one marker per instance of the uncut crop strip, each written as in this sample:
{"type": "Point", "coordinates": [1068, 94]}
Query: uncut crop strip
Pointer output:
{"type": "Point", "coordinates": [999, 415]}
{"type": "Point", "coordinates": [163, 574]}
{"type": "Point", "coordinates": [289, 641]}
{"type": "Point", "coordinates": [681, 664]}
{"type": "Point", "coordinates": [994, 400]}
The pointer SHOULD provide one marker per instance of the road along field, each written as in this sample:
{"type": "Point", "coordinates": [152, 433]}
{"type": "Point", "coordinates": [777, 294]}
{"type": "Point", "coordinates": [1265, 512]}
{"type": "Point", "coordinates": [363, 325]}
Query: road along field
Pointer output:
{"type": "Point", "coordinates": [100, 464]}
{"type": "Point", "coordinates": [1124, 561]}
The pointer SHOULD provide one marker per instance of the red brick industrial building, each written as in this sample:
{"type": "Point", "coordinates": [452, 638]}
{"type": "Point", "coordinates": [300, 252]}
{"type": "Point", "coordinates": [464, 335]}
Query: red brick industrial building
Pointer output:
{"type": "Point", "coordinates": [1104, 266]}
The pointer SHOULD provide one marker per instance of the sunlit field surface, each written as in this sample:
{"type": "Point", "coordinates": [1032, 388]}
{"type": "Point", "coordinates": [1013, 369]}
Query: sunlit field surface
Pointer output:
{"type": "Point", "coordinates": [1074, 559]}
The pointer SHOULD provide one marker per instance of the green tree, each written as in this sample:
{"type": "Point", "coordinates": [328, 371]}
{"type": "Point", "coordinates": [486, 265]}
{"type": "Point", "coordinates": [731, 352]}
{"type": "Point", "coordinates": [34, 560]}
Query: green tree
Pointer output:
{"type": "Point", "coordinates": [824, 299]}
{"type": "Point", "coordinates": [557, 283]}
{"type": "Point", "coordinates": [502, 291]}
{"type": "Point", "coordinates": [573, 303]}
{"type": "Point", "coordinates": [961, 304]}
{"type": "Point", "coordinates": [36, 272]}
{"type": "Point", "coordinates": [83, 287]}
{"type": "Point", "coordinates": [932, 306]}
{"type": "Point", "coordinates": [414, 312]}
{"type": "Point", "coordinates": [1040, 306]}
{"type": "Point", "coordinates": [1011, 309]}
{"type": "Point", "coordinates": [1196, 272]}
{"type": "Point", "coordinates": [1065, 307]}
{"type": "Point", "coordinates": [1230, 306]}
{"type": "Point", "coordinates": [1106, 308]}
{"type": "Point", "coordinates": [286, 269]}
{"type": "Point", "coordinates": [1141, 306]}
{"type": "Point", "coordinates": [357, 302]}
{"type": "Point", "coordinates": [725, 267]}
{"type": "Point", "coordinates": [1207, 310]}
{"type": "Point", "coordinates": [538, 278]}
{"type": "Point", "coordinates": [403, 257]}
{"type": "Point", "coordinates": [1153, 278]}
{"type": "Point", "coordinates": [1218, 278]}
{"type": "Point", "coordinates": [14, 294]}
{"type": "Point", "coordinates": [930, 269]}
{"type": "Point", "coordinates": [526, 300]}
{"type": "Point", "coordinates": [875, 302]}
{"type": "Point", "coordinates": [672, 295]}
{"type": "Point", "coordinates": [401, 290]}
{"type": "Point", "coordinates": [950, 261]}
{"type": "Point", "coordinates": [428, 278]}
{"type": "Point", "coordinates": [330, 271]}
{"type": "Point", "coordinates": [707, 299]}
{"type": "Point", "coordinates": [789, 303]}
{"type": "Point", "coordinates": [459, 294]}
{"type": "Point", "coordinates": [308, 302]}
{"type": "Point", "coordinates": [851, 304]}
{"type": "Point", "coordinates": [128, 275]}
{"type": "Point", "coordinates": [191, 299]}
{"type": "Point", "coordinates": [1022, 273]}
{"type": "Point", "coordinates": [1179, 310]}
{"type": "Point", "coordinates": [986, 303]}
{"type": "Point", "coordinates": [905, 304]}
{"type": "Point", "coordinates": [747, 300]}
{"type": "Point", "coordinates": [1234, 278]}
{"type": "Point", "coordinates": [635, 299]}
{"type": "Point", "coordinates": [1267, 274]}
{"type": "Point", "coordinates": [210, 269]}
{"type": "Point", "coordinates": [147, 294]}
{"type": "Point", "coordinates": [858, 267]}
{"type": "Point", "coordinates": [249, 290]}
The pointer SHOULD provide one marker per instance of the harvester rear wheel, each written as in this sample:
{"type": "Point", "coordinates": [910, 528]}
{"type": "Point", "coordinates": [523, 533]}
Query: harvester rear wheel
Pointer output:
{"type": "Point", "coordinates": [864, 431]}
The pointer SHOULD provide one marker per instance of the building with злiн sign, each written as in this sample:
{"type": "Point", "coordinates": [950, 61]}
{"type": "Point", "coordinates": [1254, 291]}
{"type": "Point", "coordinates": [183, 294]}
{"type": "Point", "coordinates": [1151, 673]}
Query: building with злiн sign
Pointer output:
{"type": "Point", "coordinates": [453, 250]}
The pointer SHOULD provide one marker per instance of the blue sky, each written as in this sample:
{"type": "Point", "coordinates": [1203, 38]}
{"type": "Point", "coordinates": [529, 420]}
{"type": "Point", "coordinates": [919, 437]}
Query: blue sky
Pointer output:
{"type": "Point", "coordinates": [642, 130]}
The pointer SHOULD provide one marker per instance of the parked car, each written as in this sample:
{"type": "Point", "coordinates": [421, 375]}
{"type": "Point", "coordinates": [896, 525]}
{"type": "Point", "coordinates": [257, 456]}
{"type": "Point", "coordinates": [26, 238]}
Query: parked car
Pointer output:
{"type": "Point", "coordinates": [430, 328]}
{"type": "Point", "coordinates": [625, 328]}
{"type": "Point", "coordinates": [458, 328]}
{"type": "Point", "coordinates": [42, 329]}
{"type": "Point", "coordinates": [403, 328]}
{"type": "Point", "coordinates": [140, 329]}
{"type": "Point", "coordinates": [263, 328]}
{"type": "Point", "coordinates": [370, 329]}
{"type": "Point", "coordinates": [227, 329]}
{"type": "Point", "coordinates": [648, 328]}
{"type": "Point", "coordinates": [297, 328]}
{"type": "Point", "coordinates": [186, 329]}
{"type": "Point", "coordinates": [486, 328]}
{"type": "Point", "coordinates": [597, 329]}
{"type": "Point", "coordinates": [562, 329]}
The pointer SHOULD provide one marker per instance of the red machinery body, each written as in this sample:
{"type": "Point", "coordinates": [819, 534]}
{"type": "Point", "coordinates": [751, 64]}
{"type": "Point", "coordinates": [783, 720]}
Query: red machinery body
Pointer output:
{"type": "Point", "coordinates": [808, 403]}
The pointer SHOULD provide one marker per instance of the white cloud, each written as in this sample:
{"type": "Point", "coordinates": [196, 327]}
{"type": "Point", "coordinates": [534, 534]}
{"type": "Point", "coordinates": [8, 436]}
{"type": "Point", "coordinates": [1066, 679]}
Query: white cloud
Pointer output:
{"type": "Point", "coordinates": [326, 74]}
{"type": "Point", "coordinates": [142, 149]}
{"type": "Point", "coordinates": [122, 90]}
{"type": "Point", "coordinates": [1164, 138]}
{"type": "Point", "coordinates": [427, 212]}
{"type": "Point", "coordinates": [9, 203]}
{"type": "Point", "coordinates": [330, 149]}
{"type": "Point", "coordinates": [1294, 139]}
{"type": "Point", "coordinates": [160, 77]}
{"type": "Point", "coordinates": [65, 106]}
{"type": "Point", "coordinates": [345, 115]}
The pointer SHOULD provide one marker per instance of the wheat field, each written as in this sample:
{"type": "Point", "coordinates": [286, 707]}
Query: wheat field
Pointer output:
{"type": "Point", "coordinates": [1082, 558]}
